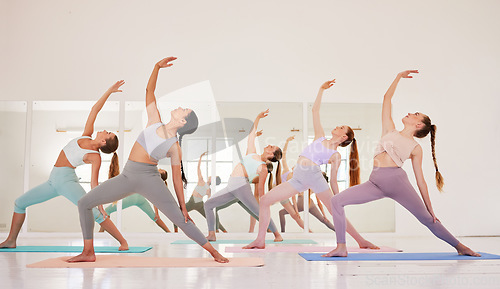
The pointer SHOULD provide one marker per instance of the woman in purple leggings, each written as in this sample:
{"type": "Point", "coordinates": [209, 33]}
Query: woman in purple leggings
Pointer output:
{"type": "Point", "coordinates": [389, 180]}
{"type": "Point", "coordinates": [307, 172]}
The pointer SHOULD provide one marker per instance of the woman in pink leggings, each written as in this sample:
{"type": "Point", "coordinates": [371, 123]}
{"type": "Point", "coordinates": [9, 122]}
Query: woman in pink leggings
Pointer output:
{"type": "Point", "coordinates": [389, 180]}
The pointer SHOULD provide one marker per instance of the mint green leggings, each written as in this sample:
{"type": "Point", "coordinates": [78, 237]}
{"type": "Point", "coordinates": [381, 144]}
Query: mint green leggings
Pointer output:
{"type": "Point", "coordinates": [134, 200]}
{"type": "Point", "coordinates": [63, 181]}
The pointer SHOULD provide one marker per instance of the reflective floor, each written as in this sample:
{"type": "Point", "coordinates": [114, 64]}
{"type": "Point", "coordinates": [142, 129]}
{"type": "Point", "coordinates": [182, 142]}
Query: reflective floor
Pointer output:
{"type": "Point", "coordinates": [282, 270]}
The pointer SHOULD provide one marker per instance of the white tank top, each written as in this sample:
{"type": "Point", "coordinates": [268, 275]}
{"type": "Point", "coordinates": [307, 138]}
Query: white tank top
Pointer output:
{"type": "Point", "coordinates": [74, 153]}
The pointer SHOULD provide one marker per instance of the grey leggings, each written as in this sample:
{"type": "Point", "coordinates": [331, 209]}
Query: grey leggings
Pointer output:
{"type": "Point", "coordinates": [237, 188]}
{"type": "Point", "coordinates": [391, 182]}
{"type": "Point", "coordinates": [198, 206]}
{"type": "Point", "coordinates": [313, 210]}
{"type": "Point", "coordinates": [143, 179]}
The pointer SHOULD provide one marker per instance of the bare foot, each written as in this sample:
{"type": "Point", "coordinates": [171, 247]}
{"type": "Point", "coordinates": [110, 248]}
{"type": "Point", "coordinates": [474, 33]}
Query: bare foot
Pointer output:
{"type": "Point", "coordinates": [464, 250]}
{"type": "Point", "coordinates": [337, 252]}
{"type": "Point", "coordinates": [278, 238]}
{"type": "Point", "coordinates": [123, 247]}
{"type": "Point", "coordinates": [211, 236]}
{"type": "Point", "coordinates": [87, 257]}
{"type": "Point", "coordinates": [367, 245]}
{"type": "Point", "coordinates": [8, 244]}
{"type": "Point", "coordinates": [256, 245]}
{"type": "Point", "coordinates": [219, 258]}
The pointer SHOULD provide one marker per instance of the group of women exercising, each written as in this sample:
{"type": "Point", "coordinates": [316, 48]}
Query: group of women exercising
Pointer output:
{"type": "Point", "coordinates": [141, 180]}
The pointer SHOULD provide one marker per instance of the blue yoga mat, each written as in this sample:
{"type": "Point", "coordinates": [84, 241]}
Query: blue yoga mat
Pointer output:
{"type": "Point", "coordinates": [74, 249]}
{"type": "Point", "coordinates": [396, 257]}
{"type": "Point", "coordinates": [248, 242]}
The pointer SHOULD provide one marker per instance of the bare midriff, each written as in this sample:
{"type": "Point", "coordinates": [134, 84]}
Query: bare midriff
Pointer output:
{"type": "Point", "coordinates": [140, 155]}
{"type": "Point", "coordinates": [303, 161]}
{"type": "Point", "coordinates": [383, 160]}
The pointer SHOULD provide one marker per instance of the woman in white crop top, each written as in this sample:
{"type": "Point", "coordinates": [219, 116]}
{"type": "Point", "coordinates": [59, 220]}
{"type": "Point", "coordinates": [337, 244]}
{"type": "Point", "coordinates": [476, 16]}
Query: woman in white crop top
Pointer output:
{"type": "Point", "coordinates": [140, 174]}
{"type": "Point", "coordinates": [388, 179]}
{"type": "Point", "coordinates": [307, 173]}
{"type": "Point", "coordinates": [63, 180]}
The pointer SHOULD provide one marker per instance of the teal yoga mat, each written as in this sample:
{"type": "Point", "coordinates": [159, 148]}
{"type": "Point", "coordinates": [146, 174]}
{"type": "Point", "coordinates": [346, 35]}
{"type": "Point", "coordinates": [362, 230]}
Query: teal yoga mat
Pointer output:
{"type": "Point", "coordinates": [74, 249]}
{"type": "Point", "coordinates": [396, 257]}
{"type": "Point", "coordinates": [298, 241]}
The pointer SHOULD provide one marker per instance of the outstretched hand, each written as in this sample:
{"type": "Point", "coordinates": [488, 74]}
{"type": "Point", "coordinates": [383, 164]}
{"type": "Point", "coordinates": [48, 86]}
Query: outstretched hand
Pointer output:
{"type": "Point", "coordinates": [328, 84]}
{"type": "Point", "coordinates": [165, 62]}
{"type": "Point", "coordinates": [259, 133]}
{"type": "Point", "coordinates": [115, 87]}
{"type": "Point", "coordinates": [406, 73]}
{"type": "Point", "coordinates": [204, 154]}
{"type": "Point", "coordinates": [263, 114]}
{"type": "Point", "coordinates": [290, 138]}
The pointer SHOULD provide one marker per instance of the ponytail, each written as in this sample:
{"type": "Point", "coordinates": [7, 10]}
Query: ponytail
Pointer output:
{"type": "Point", "coordinates": [114, 167]}
{"type": "Point", "coordinates": [183, 175]}
{"type": "Point", "coordinates": [423, 132]}
{"type": "Point", "coordinates": [189, 127]}
{"type": "Point", "coordinates": [353, 157]}
{"type": "Point", "coordinates": [439, 177]}
{"type": "Point", "coordinates": [354, 178]}
{"type": "Point", "coordinates": [277, 155]}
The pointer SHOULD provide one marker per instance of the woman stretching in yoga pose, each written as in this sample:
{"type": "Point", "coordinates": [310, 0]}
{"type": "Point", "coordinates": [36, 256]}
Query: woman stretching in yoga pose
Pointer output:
{"type": "Point", "coordinates": [389, 180]}
{"type": "Point", "coordinates": [63, 180]}
{"type": "Point", "coordinates": [307, 173]}
{"type": "Point", "coordinates": [140, 175]}
{"type": "Point", "coordinates": [238, 187]}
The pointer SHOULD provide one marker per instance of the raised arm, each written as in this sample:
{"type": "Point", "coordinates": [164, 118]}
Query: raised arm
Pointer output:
{"type": "Point", "coordinates": [89, 125]}
{"type": "Point", "coordinates": [201, 181]}
{"type": "Point", "coordinates": [416, 161]}
{"type": "Point", "coordinates": [254, 133]}
{"type": "Point", "coordinates": [151, 108]}
{"type": "Point", "coordinates": [318, 128]}
{"type": "Point", "coordinates": [283, 159]}
{"type": "Point", "coordinates": [387, 122]}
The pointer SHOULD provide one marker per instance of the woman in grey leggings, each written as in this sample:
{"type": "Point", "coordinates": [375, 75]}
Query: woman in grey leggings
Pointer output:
{"type": "Point", "coordinates": [140, 175]}
{"type": "Point", "coordinates": [389, 180]}
{"type": "Point", "coordinates": [238, 187]}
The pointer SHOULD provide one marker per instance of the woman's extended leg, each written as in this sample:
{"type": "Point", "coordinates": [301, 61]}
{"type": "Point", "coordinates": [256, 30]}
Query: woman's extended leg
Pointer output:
{"type": "Point", "coordinates": [313, 210]}
{"type": "Point", "coordinates": [288, 209]}
{"type": "Point", "coordinates": [359, 194]}
{"type": "Point", "coordinates": [278, 193]}
{"type": "Point", "coordinates": [244, 194]}
{"type": "Point", "coordinates": [326, 197]}
{"type": "Point", "coordinates": [38, 194]}
{"type": "Point", "coordinates": [73, 191]}
{"type": "Point", "coordinates": [220, 198]}
{"type": "Point", "coordinates": [111, 190]}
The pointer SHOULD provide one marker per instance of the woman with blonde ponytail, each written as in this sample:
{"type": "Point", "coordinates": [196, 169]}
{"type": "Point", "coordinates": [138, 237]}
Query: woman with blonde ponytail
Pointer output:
{"type": "Point", "coordinates": [63, 180]}
{"type": "Point", "coordinates": [389, 180]}
{"type": "Point", "coordinates": [307, 172]}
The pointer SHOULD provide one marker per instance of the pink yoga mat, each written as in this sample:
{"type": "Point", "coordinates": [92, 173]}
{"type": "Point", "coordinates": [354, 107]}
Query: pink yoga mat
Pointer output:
{"type": "Point", "coordinates": [311, 249]}
{"type": "Point", "coordinates": [110, 261]}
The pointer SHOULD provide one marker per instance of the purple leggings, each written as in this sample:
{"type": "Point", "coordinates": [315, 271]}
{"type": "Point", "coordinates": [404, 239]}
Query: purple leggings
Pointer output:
{"type": "Point", "coordinates": [391, 182]}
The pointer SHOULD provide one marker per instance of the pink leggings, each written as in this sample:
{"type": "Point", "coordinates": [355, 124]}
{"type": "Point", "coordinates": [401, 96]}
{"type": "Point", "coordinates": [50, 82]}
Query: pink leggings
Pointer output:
{"type": "Point", "coordinates": [391, 182]}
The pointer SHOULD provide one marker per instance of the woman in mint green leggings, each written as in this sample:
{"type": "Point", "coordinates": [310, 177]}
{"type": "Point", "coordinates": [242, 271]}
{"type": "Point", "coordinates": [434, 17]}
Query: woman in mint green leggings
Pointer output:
{"type": "Point", "coordinates": [63, 180]}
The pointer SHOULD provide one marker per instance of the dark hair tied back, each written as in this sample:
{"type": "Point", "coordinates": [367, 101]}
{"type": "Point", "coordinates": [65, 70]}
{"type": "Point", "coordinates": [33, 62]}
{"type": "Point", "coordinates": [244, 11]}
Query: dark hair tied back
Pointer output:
{"type": "Point", "coordinates": [190, 127]}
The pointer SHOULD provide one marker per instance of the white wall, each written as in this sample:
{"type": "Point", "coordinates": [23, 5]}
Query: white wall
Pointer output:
{"type": "Point", "coordinates": [73, 50]}
{"type": "Point", "coordinates": [12, 146]}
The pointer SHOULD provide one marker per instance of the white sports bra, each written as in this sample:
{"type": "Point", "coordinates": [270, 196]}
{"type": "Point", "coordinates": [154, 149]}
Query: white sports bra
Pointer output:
{"type": "Point", "coordinates": [74, 153]}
